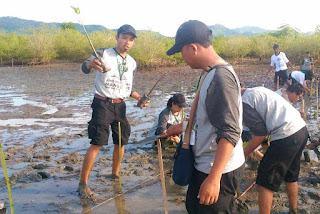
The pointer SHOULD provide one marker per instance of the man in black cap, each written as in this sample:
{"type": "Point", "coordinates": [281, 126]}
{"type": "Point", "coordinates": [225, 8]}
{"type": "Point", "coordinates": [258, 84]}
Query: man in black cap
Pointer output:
{"type": "Point", "coordinates": [218, 152]}
{"type": "Point", "coordinates": [280, 61]}
{"type": "Point", "coordinates": [110, 90]}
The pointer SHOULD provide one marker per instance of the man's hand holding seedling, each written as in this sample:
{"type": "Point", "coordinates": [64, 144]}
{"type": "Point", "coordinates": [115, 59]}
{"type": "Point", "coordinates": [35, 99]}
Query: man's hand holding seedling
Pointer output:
{"type": "Point", "coordinates": [94, 64]}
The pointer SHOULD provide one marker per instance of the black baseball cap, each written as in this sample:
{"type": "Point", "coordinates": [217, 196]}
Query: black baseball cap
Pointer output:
{"type": "Point", "coordinates": [125, 29]}
{"type": "Point", "coordinates": [192, 31]}
{"type": "Point", "coordinates": [179, 100]}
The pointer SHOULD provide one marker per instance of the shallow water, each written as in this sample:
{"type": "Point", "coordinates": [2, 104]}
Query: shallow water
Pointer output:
{"type": "Point", "coordinates": [41, 124]}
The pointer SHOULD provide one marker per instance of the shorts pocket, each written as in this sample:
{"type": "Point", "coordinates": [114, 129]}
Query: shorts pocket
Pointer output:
{"type": "Point", "coordinates": [92, 130]}
{"type": "Point", "coordinates": [98, 133]}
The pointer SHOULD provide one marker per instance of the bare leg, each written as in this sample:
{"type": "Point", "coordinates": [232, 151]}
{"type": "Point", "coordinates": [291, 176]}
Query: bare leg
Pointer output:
{"type": "Point", "coordinates": [265, 200]}
{"type": "Point", "coordinates": [83, 189]}
{"type": "Point", "coordinates": [88, 162]}
{"type": "Point", "coordinates": [116, 159]}
{"type": "Point", "coordinates": [292, 191]}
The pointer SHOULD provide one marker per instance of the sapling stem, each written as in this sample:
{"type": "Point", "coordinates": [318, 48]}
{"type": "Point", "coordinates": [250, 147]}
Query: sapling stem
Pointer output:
{"type": "Point", "coordinates": [104, 64]}
{"type": "Point", "coordinates": [5, 172]}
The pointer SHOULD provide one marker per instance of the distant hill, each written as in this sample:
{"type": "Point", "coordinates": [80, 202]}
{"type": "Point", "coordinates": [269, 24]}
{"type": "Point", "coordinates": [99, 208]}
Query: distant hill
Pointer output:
{"type": "Point", "coordinates": [243, 31]}
{"type": "Point", "coordinates": [23, 26]}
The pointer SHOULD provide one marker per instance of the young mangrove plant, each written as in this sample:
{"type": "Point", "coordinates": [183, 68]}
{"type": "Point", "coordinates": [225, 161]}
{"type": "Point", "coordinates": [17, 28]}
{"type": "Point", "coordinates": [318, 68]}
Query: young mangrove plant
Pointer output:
{"type": "Point", "coordinates": [104, 64]}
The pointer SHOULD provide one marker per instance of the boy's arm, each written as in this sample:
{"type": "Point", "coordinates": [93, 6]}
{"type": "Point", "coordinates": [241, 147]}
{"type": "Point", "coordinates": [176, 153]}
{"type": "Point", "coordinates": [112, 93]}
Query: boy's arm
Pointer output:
{"type": "Point", "coordinates": [306, 86]}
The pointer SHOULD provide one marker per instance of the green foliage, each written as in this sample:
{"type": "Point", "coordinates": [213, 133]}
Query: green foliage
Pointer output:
{"type": "Point", "coordinates": [236, 47]}
{"type": "Point", "coordinates": [45, 43]}
{"type": "Point", "coordinates": [260, 45]}
{"type": "Point", "coordinates": [103, 39]}
{"type": "Point", "coordinates": [76, 9]}
{"type": "Point", "coordinates": [150, 49]}
{"type": "Point", "coordinates": [70, 44]}
{"type": "Point", "coordinates": [68, 25]}
{"type": "Point", "coordinates": [41, 44]}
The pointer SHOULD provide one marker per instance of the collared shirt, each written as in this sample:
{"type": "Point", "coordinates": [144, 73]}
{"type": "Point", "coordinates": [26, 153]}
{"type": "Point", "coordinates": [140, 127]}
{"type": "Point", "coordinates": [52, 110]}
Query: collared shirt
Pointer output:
{"type": "Point", "coordinates": [280, 61]}
{"type": "Point", "coordinates": [116, 83]}
{"type": "Point", "coordinates": [266, 112]}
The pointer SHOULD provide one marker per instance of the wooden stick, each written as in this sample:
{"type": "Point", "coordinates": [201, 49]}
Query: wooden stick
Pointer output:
{"type": "Point", "coordinates": [139, 186]}
{"type": "Point", "coordinates": [317, 97]}
{"type": "Point", "coordinates": [5, 172]}
{"type": "Point", "coordinates": [247, 189]}
{"type": "Point", "coordinates": [302, 105]}
{"type": "Point", "coordinates": [120, 156]}
{"type": "Point", "coordinates": [163, 184]}
{"type": "Point", "coordinates": [311, 86]}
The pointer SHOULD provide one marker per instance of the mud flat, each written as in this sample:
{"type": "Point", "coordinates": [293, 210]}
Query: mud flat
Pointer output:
{"type": "Point", "coordinates": [43, 120]}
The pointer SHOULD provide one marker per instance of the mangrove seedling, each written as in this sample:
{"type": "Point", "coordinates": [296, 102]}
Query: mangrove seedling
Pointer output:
{"type": "Point", "coordinates": [104, 64]}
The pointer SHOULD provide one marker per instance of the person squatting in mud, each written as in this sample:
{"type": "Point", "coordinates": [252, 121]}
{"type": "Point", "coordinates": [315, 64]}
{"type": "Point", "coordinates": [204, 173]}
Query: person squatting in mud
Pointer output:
{"type": "Point", "coordinates": [109, 107]}
{"type": "Point", "coordinates": [173, 114]}
{"type": "Point", "coordinates": [218, 151]}
{"type": "Point", "coordinates": [292, 94]}
{"type": "Point", "coordinates": [300, 77]}
{"type": "Point", "coordinates": [267, 113]}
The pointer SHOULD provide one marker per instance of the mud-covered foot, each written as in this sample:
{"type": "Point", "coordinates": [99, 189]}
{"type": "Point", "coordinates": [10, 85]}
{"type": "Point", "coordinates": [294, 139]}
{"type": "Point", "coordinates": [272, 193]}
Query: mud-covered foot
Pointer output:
{"type": "Point", "coordinates": [85, 192]}
{"type": "Point", "coordinates": [113, 177]}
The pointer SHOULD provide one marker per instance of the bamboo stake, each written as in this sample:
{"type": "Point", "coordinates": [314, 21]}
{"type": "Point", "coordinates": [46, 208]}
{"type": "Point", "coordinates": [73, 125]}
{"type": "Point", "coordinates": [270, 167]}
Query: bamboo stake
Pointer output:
{"type": "Point", "coordinates": [311, 87]}
{"type": "Point", "coordinates": [5, 172]}
{"type": "Point", "coordinates": [120, 156]}
{"type": "Point", "coordinates": [302, 105]}
{"type": "Point", "coordinates": [163, 184]}
{"type": "Point", "coordinates": [317, 97]}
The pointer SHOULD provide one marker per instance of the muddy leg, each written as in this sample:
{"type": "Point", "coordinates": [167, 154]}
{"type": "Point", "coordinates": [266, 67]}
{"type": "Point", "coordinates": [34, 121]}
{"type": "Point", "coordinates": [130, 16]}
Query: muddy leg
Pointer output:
{"type": "Point", "coordinates": [84, 190]}
{"type": "Point", "coordinates": [292, 191]}
{"type": "Point", "coordinates": [117, 160]}
{"type": "Point", "coordinates": [265, 200]}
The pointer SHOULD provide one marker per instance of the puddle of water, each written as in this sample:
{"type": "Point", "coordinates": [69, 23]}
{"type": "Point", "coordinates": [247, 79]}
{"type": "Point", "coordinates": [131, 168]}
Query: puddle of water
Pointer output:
{"type": "Point", "coordinates": [19, 101]}
{"type": "Point", "coordinates": [145, 200]}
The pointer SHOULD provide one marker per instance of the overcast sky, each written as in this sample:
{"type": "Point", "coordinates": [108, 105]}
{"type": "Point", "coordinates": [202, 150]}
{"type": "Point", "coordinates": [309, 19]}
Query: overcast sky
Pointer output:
{"type": "Point", "coordinates": [165, 16]}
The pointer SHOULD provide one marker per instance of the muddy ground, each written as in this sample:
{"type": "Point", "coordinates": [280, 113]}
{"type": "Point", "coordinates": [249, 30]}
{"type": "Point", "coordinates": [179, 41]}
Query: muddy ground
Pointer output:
{"type": "Point", "coordinates": [44, 112]}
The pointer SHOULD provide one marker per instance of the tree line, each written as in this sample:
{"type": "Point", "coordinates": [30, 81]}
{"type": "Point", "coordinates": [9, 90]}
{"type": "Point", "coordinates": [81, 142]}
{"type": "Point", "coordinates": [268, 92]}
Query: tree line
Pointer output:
{"type": "Point", "coordinates": [44, 45]}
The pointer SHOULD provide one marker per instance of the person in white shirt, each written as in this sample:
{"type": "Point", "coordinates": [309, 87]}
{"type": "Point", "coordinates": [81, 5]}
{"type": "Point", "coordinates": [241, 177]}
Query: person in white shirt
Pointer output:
{"type": "Point", "coordinates": [267, 113]}
{"type": "Point", "coordinates": [293, 93]}
{"type": "Point", "coordinates": [300, 77]}
{"type": "Point", "coordinates": [111, 88]}
{"type": "Point", "coordinates": [281, 62]}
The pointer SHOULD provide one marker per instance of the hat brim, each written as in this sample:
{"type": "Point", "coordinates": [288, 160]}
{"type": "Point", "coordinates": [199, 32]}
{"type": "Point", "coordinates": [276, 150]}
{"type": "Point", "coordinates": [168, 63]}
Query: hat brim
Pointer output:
{"type": "Point", "coordinates": [175, 49]}
{"type": "Point", "coordinates": [132, 34]}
